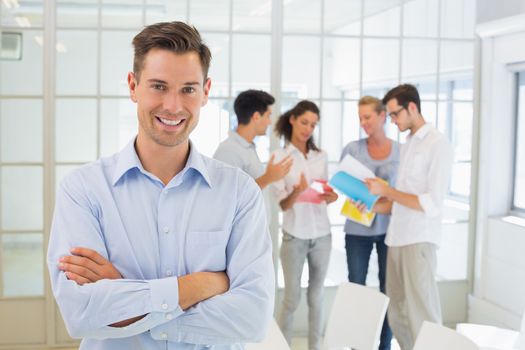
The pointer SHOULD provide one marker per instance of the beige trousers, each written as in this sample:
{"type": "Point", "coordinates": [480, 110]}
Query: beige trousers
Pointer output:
{"type": "Point", "coordinates": [412, 288]}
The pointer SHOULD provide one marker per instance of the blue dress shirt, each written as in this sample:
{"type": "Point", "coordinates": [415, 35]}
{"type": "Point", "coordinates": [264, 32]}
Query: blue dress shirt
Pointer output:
{"type": "Point", "coordinates": [209, 217]}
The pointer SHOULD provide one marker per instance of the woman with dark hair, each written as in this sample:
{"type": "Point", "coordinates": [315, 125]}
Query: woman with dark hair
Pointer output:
{"type": "Point", "coordinates": [306, 229]}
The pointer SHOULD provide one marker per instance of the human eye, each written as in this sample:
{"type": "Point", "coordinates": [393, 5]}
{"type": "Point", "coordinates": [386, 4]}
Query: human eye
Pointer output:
{"type": "Point", "coordinates": [159, 87]}
{"type": "Point", "coordinates": [188, 89]}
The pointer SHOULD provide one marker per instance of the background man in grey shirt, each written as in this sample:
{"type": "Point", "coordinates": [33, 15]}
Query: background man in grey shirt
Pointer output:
{"type": "Point", "coordinates": [253, 109]}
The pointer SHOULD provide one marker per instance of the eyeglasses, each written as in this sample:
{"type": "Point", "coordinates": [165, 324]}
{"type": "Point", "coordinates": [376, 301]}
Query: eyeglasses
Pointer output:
{"type": "Point", "coordinates": [395, 114]}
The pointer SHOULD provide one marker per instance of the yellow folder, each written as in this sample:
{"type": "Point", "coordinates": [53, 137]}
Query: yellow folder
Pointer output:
{"type": "Point", "coordinates": [350, 211]}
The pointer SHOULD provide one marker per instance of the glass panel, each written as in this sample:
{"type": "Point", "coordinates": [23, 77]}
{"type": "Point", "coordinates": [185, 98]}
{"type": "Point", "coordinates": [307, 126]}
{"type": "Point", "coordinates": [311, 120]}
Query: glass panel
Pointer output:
{"type": "Point", "coordinates": [121, 13]}
{"type": "Point", "coordinates": [302, 16]}
{"type": "Point", "coordinates": [458, 18]}
{"type": "Point", "coordinates": [219, 45]}
{"type": "Point", "coordinates": [77, 13]}
{"type": "Point", "coordinates": [452, 254]}
{"type": "Point", "coordinates": [21, 13]}
{"type": "Point", "coordinates": [76, 130]}
{"type": "Point", "coordinates": [341, 67]}
{"type": "Point", "coordinates": [22, 197]}
{"type": "Point", "coordinates": [210, 14]}
{"type": "Point", "coordinates": [23, 264]}
{"type": "Point", "coordinates": [301, 67]}
{"type": "Point", "coordinates": [462, 131]}
{"type": "Point", "coordinates": [243, 62]}
{"type": "Point", "coordinates": [253, 15]}
{"type": "Point", "coordinates": [519, 160]}
{"type": "Point", "coordinates": [21, 130]}
{"type": "Point", "coordinates": [116, 61]}
{"type": "Point", "coordinates": [463, 89]}
{"type": "Point", "coordinates": [428, 110]}
{"type": "Point", "coordinates": [342, 17]}
{"type": "Point", "coordinates": [166, 10]}
{"type": "Point", "coordinates": [420, 18]}
{"type": "Point", "coordinates": [331, 129]}
{"type": "Point", "coordinates": [118, 124]}
{"type": "Point", "coordinates": [351, 126]}
{"type": "Point", "coordinates": [460, 179]}
{"type": "Point", "coordinates": [380, 63]}
{"type": "Point", "coordinates": [456, 60]}
{"type": "Point", "coordinates": [212, 127]}
{"type": "Point", "coordinates": [24, 76]}
{"type": "Point", "coordinates": [78, 59]}
{"type": "Point", "coordinates": [419, 65]}
{"type": "Point", "coordinates": [382, 17]}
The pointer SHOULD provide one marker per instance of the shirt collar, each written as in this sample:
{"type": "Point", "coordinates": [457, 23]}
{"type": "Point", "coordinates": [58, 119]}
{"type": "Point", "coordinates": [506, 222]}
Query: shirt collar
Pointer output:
{"type": "Point", "coordinates": [422, 131]}
{"type": "Point", "coordinates": [290, 148]}
{"type": "Point", "coordinates": [128, 159]}
{"type": "Point", "coordinates": [241, 140]}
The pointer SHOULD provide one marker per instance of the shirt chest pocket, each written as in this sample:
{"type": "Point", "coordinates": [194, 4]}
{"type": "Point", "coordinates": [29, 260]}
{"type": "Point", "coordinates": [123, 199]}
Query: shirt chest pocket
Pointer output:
{"type": "Point", "coordinates": [206, 250]}
{"type": "Point", "coordinates": [417, 168]}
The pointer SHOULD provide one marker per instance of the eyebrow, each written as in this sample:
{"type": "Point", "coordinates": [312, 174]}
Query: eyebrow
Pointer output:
{"type": "Point", "coordinates": [159, 81]}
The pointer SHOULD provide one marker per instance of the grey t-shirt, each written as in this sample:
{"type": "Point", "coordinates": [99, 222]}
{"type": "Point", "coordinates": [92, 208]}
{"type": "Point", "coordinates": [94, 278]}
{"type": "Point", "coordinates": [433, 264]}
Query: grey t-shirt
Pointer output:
{"type": "Point", "coordinates": [385, 169]}
{"type": "Point", "coordinates": [236, 151]}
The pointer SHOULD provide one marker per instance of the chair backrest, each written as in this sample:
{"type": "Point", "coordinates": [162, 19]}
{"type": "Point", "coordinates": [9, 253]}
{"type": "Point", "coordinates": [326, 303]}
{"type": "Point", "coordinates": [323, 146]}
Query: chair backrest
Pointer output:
{"type": "Point", "coordinates": [274, 340]}
{"type": "Point", "coordinates": [488, 336]}
{"type": "Point", "coordinates": [356, 318]}
{"type": "Point", "coordinates": [436, 337]}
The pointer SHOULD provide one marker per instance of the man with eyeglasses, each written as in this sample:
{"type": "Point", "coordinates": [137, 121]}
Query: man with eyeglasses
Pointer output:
{"type": "Point", "coordinates": [416, 204]}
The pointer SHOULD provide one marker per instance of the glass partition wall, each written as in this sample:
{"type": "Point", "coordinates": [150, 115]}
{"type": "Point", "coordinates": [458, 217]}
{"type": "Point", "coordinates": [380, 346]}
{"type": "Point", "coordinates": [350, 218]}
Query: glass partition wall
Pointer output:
{"type": "Point", "coordinates": [64, 102]}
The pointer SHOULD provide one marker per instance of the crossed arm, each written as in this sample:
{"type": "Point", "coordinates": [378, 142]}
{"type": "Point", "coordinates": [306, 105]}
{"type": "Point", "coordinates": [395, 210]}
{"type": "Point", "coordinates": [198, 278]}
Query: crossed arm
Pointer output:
{"type": "Point", "coordinates": [87, 266]}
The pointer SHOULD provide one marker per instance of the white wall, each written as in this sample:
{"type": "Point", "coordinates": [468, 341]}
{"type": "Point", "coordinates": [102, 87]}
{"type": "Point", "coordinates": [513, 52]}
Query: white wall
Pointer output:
{"type": "Point", "coordinates": [499, 279]}
{"type": "Point", "coordinates": [490, 10]}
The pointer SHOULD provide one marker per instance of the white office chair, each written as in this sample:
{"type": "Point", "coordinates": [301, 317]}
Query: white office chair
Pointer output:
{"type": "Point", "coordinates": [274, 340]}
{"type": "Point", "coordinates": [356, 318]}
{"type": "Point", "coordinates": [488, 337]}
{"type": "Point", "coordinates": [436, 337]}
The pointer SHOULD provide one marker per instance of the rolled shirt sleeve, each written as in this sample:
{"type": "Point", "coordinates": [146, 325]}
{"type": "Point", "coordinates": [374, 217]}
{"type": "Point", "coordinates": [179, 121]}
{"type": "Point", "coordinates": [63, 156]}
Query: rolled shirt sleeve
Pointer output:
{"type": "Point", "coordinates": [438, 179]}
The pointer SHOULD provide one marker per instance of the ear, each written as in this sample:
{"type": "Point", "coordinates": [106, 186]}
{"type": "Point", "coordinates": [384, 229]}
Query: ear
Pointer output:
{"type": "Point", "coordinates": [412, 108]}
{"type": "Point", "coordinates": [256, 116]}
{"type": "Point", "coordinates": [132, 84]}
{"type": "Point", "coordinates": [382, 115]}
{"type": "Point", "coordinates": [206, 87]}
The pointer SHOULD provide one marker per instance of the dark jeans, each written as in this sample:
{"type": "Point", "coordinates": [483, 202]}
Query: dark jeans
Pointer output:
{"type": "Point", "coordinates": [358, 250]}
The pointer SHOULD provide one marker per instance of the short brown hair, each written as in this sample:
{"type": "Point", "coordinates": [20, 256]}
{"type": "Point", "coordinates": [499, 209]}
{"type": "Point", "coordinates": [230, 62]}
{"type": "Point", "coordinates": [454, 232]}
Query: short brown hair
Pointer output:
{"type": "Point", "coordinates": [177, 37]}
{"type": "Point", "coordinates": [404, 94]}
{"type": "Point", "coordinates": [374, 101]}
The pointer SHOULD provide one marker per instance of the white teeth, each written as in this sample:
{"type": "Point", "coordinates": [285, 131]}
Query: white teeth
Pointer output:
{"type": "Point", "coordinates": [171, 122]}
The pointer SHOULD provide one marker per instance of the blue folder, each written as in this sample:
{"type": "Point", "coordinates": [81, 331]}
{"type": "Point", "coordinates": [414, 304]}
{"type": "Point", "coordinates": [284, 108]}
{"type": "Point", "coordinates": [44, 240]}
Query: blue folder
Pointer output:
{"type": "Point", "coordinates": [353, 188]}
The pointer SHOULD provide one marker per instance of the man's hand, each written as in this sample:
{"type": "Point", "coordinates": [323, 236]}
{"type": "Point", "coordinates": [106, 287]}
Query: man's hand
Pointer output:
{"type": "Point", "coordinates": [377, 187]}
{"type": "Point", "coordinates": [199, 286]}
{"type": "Point", "coordinates": [276, 171]}
{"type": "Point", "coordinates": [359, 205]}
{"type": "Point", "coordinates": [87, 266]}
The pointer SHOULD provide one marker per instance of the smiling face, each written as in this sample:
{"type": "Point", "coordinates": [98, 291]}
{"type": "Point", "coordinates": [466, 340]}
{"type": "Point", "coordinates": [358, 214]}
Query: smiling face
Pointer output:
{"type": "Point", "coordinates": [169, 95]}
{"type": "Point", "coordinates": [303, 127]}
{"type": "Point", "coordinates": [371, 121]}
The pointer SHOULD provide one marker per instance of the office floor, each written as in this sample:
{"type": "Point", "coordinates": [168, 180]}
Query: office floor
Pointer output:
{"type": "Point", "coordinates": [301, 343]}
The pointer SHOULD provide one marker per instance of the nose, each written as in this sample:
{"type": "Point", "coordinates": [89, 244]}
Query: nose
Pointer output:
{"type": "Point", "coordinates": [172, 103]}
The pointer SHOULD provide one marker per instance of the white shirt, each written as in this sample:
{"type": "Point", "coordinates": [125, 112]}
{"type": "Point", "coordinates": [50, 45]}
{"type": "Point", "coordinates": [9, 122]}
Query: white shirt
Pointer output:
{"type": "Point", "coordinates": [424, 170]}
{"type": "Point", "coordinates": [303, 220]}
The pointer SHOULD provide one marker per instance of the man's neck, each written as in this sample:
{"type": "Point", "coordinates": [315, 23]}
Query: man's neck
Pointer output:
{"type": "Point", "coordinates": [418, 123]}
{"type": "Point", "coordinates": [246, 132]}
{"type": "Point", "coordinates": [162, 161]}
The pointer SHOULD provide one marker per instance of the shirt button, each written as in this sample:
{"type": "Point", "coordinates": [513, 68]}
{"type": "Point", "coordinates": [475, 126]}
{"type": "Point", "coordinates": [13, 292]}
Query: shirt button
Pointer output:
{"type": "Point", "coordinates": [164, 306]}
{"type": "Point", "coordinates": [169, 316]}
{"type": "Point", "coordinates": [168, 273]}
{"type": "Point", "coordinates": [163, 335]}
{"type": "Point", "coordinates": [166, 229]}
